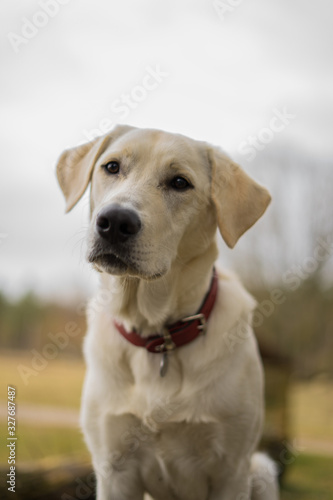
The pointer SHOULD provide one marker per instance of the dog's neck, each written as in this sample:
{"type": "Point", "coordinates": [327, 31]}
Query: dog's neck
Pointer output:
{"type": "Point", "coordinates": [147, 306]}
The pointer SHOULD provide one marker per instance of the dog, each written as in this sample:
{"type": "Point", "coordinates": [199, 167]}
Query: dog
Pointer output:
{"type": "Point", "coordinates": [172, 404]}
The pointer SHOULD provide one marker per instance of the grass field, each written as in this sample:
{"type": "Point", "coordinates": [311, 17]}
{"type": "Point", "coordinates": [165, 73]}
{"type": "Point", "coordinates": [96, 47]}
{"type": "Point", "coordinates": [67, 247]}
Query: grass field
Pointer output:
{"type": "Point", "coordinates": [58, 384]}
{"type": "Point", "coordinates": [310, 477]}
{"type": "Point", "coordinates": [311, 410]}
{"type": "Point", "coordinates": [40, 443]}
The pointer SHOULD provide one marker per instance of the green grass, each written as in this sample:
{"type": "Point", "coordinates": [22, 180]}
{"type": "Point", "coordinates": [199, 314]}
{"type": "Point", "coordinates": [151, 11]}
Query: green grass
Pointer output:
{"type": "Point", "coordinates": [39, 443]}
{"type": "Point", "coordinates": [310, 477]}
{"type": "Point", "coordinates": [59, 384]}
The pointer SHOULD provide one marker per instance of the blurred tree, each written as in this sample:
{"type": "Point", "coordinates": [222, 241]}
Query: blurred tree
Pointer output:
{"type": "Point", "coordinates": [282, 251]}
{"type": "Point", "coordinates": [300, 215]}
{"type": "Point", "coordinates": [29, 324]}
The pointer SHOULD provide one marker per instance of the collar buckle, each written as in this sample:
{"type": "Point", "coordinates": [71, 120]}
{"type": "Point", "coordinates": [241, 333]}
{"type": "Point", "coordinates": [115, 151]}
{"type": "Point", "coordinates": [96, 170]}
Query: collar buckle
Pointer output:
{"type": "Point", "coordinates": [198, 317]}
{"type": "Point", "coordinates": [168, 344]}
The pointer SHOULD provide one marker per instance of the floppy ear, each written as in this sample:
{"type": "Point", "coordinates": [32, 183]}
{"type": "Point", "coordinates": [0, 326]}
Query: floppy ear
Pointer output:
{"type": "Point", "coordinates": [75, 166]}
{"type": "Point", "coordinates": [238, 199]}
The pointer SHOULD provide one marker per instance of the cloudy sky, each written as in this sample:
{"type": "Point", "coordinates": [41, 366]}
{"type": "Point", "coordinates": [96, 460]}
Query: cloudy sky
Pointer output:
{"type": "Point", "coordinates": [211, 70]}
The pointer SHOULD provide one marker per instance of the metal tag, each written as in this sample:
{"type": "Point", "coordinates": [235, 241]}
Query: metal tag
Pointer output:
{"type": "Point", "coordinates": [164, 364]}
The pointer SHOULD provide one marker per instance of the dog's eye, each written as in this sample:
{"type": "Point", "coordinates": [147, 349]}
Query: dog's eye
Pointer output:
{"type": "Point", "coordinates": [112, 167]}
{"type": "Point", "coordinates": [180, 183]}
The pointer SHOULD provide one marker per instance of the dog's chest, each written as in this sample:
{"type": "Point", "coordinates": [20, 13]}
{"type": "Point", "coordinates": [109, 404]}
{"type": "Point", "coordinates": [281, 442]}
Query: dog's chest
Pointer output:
{"type": "Point", "coordinates": [170, 436]}
{"type": "Point", "coordinates": [179, 460]}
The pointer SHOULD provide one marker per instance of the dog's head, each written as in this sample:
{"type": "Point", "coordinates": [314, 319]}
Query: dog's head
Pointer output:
{"type": "Point", "coordinates": [157, 198]}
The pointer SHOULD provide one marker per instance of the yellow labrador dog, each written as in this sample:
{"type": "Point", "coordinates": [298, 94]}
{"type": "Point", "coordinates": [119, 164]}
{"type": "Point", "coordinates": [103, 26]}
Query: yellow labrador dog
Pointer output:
{"type": "Point", "coordinates": [172, 404]}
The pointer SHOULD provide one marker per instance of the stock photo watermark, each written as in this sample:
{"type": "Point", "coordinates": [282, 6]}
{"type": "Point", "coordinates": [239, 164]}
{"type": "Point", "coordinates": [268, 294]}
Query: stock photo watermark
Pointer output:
{"type": "Point", "coordinates": [129, 442]}
{"type": "Point", "coordinates": [141, 431]}
{"type": "Point", "coordinates": [224, 8]}
{"type": "Point", "coordinates": [277, 124]}
{"type": "Point", "coordinates": [31, 27]}
{"type": "Point", "coordinates": [270, 469]}
{"type": "Point", "coordinates": [292, 279]}
{"type": "Point", "coordinates": [126, 102]}
{"type": "Point", "coordinates": [84, 488]}
{"type": "Point", "coordinates": [40, 359]}
{"type": "Point", "coordinates": [11, 438]}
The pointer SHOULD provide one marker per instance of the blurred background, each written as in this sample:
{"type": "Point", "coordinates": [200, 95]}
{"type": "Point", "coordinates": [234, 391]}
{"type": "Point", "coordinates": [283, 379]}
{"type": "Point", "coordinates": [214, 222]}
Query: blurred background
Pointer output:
{"type": "Point", "coordinates": [252, 76]}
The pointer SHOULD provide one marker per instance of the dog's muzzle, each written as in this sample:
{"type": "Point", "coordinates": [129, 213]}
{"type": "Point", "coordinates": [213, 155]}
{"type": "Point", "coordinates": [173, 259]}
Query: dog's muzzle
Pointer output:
{"type": "Point", "coordinates": [114, 235]}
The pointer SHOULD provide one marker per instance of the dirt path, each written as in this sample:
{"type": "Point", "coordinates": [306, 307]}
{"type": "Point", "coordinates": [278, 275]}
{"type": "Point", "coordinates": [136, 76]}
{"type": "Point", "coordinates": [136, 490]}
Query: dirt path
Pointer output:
{"type": "Point", "coordinates": [47, 416]}
{"type": "Point", "coordinates": [316, 446]}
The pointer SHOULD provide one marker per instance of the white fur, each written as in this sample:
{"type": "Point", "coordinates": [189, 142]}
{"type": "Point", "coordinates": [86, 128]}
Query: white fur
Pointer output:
{"type": "Point", "coordinates": [190, 435]}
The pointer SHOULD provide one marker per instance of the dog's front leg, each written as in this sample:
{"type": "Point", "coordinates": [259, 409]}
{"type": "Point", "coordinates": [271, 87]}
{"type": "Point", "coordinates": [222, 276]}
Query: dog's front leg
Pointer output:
{"type": "Point", "coordinates": [117, 484]}
{"type": "Point", "coordinates": [115, 443]}
{"type": "Point", "coordinates": [117, 462]}
{"type": "Point", "coordinates": [234, 486]}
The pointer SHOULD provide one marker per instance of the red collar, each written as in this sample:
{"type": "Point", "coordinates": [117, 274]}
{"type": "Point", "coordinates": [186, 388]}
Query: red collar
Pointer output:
{"type": "Point", "coordinates": [180, 333]}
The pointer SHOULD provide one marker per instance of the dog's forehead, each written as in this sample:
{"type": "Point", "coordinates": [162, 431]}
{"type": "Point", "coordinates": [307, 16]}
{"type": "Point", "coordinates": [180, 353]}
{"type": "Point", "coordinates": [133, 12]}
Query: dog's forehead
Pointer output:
{"type": "Point", "coordinates": [158, 146]}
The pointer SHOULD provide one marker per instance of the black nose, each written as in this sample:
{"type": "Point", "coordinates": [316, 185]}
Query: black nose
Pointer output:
{"type": "Point", "coordinates": [117, 224]}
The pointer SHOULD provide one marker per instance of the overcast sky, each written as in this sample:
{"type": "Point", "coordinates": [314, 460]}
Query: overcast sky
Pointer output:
{"type": "Point", "coordinates": [73, 67]}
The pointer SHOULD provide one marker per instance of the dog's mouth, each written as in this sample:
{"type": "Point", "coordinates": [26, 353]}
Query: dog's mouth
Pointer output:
{"type": "Point", "coordinates": [109, 262]}
{"type": "Point", "coordinates": [114, 264]}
